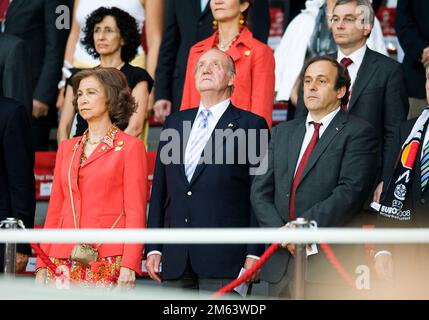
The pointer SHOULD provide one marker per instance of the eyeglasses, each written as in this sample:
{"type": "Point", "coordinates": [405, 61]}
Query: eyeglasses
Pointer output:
{"type": "Point", "coordinates": [348, 20]}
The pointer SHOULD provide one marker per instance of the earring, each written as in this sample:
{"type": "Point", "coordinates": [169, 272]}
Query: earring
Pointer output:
{"type": "Point", "coordinates": [242, 22]}
{"type": "Point", "coordinates": [214, 25]}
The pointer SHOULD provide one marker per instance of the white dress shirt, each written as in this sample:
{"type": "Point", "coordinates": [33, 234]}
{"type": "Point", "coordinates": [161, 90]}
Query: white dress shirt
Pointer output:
{"type": "Point", "coordinates": [357, 58]}
{"type": "Point", "coordinates": [203, 4]}
{"type": "Point", "coordinates": [325, 121]}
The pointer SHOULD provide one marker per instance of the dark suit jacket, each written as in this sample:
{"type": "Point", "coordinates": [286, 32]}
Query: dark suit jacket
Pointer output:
{"type": "Point", "coordinates": [34, 21]}
{"type": "Point", "coordinates": [412, 28]}
{"type": "Point", "coordinates": [333, 187]}
{"type": "Point", "coordinates": [17, 194]}
{"type": "Point", "coordinates": [14, 82]}
{"type": "Point", "coordinates": [379, 97]}
{"type": "Point", "coordinates": [218, 196]}
{"type": "Point", "coordinates": [184, 26]}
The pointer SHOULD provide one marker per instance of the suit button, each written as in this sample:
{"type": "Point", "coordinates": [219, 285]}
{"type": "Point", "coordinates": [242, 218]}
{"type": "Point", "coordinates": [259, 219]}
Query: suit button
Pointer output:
{"type": "Point", "coordinates": [423, 201]}
{"type": "Point", "coordinates": [189, 193]}
{"type": "Point", "coordinates": [287, 195]}
{"type": "Point", "coordinates": [200, 23]}
{"type": "Point", "coordinates": [186, 220]}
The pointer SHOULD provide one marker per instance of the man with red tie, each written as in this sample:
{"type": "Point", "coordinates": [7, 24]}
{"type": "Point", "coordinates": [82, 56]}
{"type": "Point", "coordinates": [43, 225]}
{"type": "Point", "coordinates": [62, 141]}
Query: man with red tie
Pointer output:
{"type": "Point", "coordinates": [320, 168]}
{"type": "Point", "coordinates": [377, 91]}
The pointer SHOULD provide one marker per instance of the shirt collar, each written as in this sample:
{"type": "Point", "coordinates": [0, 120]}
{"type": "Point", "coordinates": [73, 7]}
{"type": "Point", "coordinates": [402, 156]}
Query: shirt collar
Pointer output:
{"type": "Point", "coordinates": [217, 110]}
{"type": "Point", "coordinates": [108, 138]}
{"type": "Point", "coordinates": [356, 56]}
{"type": "Point", "coordinates": [325, 121]}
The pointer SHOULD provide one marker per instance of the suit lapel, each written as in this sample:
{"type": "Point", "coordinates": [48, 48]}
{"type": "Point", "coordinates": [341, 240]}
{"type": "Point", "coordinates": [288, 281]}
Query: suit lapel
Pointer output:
{"type": "Point", "coordinates": [227, 121]}
{"type": "Point", "coordinates": [294, 148]}
{"type": "Point", "coordinates": [196, 4]}
{"type": "Point", "coordinates": [100, 151]}
{"type": "Point", "coordinates": [365, 72]}
{"type": "Point", "coordinates": [13, 8]}
{"type": "Point", "coordinates": [74, 164]}
{"type": "Point", "coordinates": [333, 129]}
{"type": "Point", "coordinates": [114, 142]}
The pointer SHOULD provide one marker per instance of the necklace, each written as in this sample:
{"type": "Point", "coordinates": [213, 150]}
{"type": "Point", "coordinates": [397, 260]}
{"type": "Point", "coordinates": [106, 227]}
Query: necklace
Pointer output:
{"type": "Point", "coordinates": [94, 142]}
{"type": "Point", "coordinates": [225, 46]}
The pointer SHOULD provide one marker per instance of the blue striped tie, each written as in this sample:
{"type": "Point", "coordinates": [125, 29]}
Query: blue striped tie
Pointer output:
{"type": "Point", "coordinates": [424, 167]}
{"type": "Point", "coordinates": [196, 146]}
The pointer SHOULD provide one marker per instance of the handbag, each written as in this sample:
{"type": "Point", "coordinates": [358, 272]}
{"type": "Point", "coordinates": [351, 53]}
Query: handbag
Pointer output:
{"type": "Point", "coordinates": [83, 253]}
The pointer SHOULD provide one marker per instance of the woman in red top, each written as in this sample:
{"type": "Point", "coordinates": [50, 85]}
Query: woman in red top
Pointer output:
{"type": "Point", "coordinates": [100, 181]}
{"type": "Point", "coordinates": [254, 61]}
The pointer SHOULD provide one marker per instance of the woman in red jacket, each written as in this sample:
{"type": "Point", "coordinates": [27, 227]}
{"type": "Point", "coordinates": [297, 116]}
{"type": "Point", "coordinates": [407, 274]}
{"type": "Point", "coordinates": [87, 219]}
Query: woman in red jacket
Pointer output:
{"type": "Point", "coordinates": [100, 181]}
{"type": "Point", "coordinates": [254, 61]}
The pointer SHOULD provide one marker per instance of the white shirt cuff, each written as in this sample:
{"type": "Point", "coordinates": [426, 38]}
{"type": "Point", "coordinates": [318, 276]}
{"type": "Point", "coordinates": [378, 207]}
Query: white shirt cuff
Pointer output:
{"type": "Point", "coordinates": [252, 256]}
{"type": "Point", "coordinates": [382, 252]}
{"type": "Point", "coordinates": [153, 252]}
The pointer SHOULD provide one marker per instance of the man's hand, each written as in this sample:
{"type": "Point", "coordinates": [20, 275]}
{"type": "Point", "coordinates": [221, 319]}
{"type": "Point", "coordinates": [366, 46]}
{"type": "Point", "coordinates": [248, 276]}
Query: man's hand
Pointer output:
{"type": "Point", "coordinates": [425, 56]}
{"type": "Point", "coordinates": [288, 246]}
{"type": "Point", "coordinates": [152, 266]}
{"type": "Point", "coordinates": [377, 192]}
{"type": "Point", "coordinates": [40, 109]}
{"type": "Point", "coordinates": [248, 263]}
{"type": "Point", "coordinates": [60, 100]}
{"type": "Point", "coordinates": [127, 278]}
{"type": "Point", "coordinates": [383, 265]}
{"type": "Point", "coordinates": [162, 109]}
{"type": "Point", "coordinates": [21, 262]}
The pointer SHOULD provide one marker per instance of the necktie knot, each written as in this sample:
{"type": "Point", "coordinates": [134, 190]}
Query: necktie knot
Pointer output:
{"type": "Point", "coordinates": [204, 114]}
{"type": "Point", "coordinates": [346, 62]}
{"type": "Point", "coordinates": [316, 125]}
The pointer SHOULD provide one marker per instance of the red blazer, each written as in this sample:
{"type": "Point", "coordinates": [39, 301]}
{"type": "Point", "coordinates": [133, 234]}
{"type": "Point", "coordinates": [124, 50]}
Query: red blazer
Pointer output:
{"type": "Point", "coordinates": [254, 82]}
{"type": "Point", "coordinates": [114, 178]}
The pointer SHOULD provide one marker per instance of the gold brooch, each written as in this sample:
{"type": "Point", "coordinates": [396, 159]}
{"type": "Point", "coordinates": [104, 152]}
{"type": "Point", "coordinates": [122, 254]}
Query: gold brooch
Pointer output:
{"type": "Point", "coordinates": [247, 53]}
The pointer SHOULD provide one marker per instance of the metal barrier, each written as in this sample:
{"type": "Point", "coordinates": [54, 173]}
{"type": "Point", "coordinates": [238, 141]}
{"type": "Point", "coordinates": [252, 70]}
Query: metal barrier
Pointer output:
{"type": "Point", "coordinates": [300, 262]}
{"type": "Point", "coordinates": [301, 233]}
{"type": "Point", "coordinates": [10, 248]}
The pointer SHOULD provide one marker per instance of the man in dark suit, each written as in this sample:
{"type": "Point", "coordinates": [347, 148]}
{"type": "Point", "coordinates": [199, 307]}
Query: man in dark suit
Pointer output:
{"type": "Point", "coordinates": [407, 265]}
{"type": "Point", "coordinates": [17, 194]}
{"type": "Point", "coordinates": [14, 78]}
{"type": "Point", "coordinates": [320, 167]}
{"type": "Point", "coordinates": [207, 185]}
{"type": "Point", "coordinates": [412, 28]}
{"type": "Point", "coordinates": [35, 22]}
{"type": "Point", "coordinates": [378, 93]}
{"type": "Point", "coordinates": [185, 24]}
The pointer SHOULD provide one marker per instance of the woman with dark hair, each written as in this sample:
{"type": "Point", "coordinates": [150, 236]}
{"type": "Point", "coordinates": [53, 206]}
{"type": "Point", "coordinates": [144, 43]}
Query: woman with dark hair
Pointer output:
{"type": "Point", "coordinates": [100, 181]}
{"type": "Point", "coordinates": [254, 60]}
{"type": "Point", "coordinates": [146, 12]}
{"type": "Point", "coordinates": [111, 34]}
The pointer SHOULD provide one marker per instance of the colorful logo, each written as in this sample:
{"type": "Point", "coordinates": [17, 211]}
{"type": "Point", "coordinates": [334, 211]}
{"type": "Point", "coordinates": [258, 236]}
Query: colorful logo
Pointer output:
{"type": "Point", "coordinates": [409, 154]}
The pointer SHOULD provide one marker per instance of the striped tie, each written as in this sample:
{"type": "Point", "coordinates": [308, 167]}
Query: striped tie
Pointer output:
{"type": "Point", "coordinates": [424, 167]}
{"type": "Point", "coordinates": [196, 146]}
